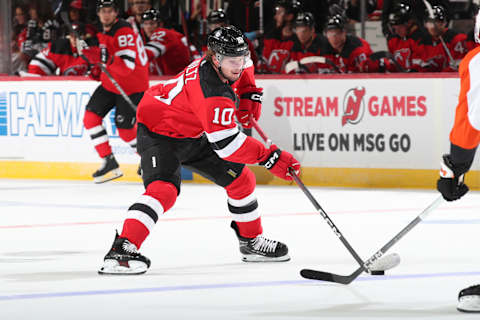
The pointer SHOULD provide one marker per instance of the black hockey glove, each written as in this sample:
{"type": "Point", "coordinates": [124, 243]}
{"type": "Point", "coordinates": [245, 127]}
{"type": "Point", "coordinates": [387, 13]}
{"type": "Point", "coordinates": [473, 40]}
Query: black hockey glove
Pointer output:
{"type": "Point", "coordinates": [451, 184]}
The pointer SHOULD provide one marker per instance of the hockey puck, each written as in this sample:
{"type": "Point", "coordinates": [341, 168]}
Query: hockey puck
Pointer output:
{"type": "Point", "coordinates": [377, 273]}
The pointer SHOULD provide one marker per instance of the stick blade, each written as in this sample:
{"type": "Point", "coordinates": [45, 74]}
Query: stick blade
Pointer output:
{"type": "Point", "coordinates": [325, 276]}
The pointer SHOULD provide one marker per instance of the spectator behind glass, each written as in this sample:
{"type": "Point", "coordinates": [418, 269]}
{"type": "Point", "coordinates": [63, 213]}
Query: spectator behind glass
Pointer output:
{"type": "Point", "coordinates": [20, 18]}
{"type": "Point", "coordinates": [41, 28]}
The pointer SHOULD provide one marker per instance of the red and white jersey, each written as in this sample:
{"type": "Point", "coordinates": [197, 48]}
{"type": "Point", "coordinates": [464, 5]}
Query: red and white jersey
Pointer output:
{"type": "Point", "coordinates": [466, 129]}
{"type": "Point", "coordinates": [168, 51]}
{"type": "Point", "coordinates": [407, 51]}
{"type": "Point", "coordinates": [353, 58]}
{"type": "Point", "coordinates": [195, 102]}
{"type": "Point", "coordinates": [436, 59]}
{"type": "Point", "coordinates": [298, 52]}
{"type": "Point", "coordinates": [130, 62]}
{"type": "Point", "coordinates": [59, 55]}
{"type": "Point", "coordinates": [276, 52]}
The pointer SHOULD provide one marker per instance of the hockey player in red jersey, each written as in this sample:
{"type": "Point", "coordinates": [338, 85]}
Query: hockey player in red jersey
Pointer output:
{"type": "Point", "coordinates": [444, 47]}
{"type": "Point", "coordinates": [279, 41]}
{"type": "Point", "coordinates": [122, 51]}
{"type": "Point", "coordinates": [307, 43]}
{"type": "Point", "coordinates": [61, 57]}
{"type": "Point", "coordinates": [404, 39]}
{"type": "Point", "coordinates": [167, 49]}
{"type": "Point", "coordinates": [348, 53]}
{"type": "Point", "coordinates": [464, 140]}
{"type": "Point", "coordinates": [189, 121]}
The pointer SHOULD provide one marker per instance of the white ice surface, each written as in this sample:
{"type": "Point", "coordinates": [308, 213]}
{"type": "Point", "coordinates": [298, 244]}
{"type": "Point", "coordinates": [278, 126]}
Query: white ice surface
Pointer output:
{"type": "Point", "coordinates": [53, 236]}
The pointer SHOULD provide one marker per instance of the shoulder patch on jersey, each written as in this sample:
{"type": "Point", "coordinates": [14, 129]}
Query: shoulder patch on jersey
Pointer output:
{"type": "Point", "coordinates": [61, 46]}
{"type": "Point", "coordinates": [211, 84]}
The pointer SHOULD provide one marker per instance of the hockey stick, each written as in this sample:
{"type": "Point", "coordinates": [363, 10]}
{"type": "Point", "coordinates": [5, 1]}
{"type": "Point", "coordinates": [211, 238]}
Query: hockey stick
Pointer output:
{"type": "Point", "coordinates": [452, 63]}
{"type": "Point", "coordinates": [332, 277]}
{"type": "Point", "coordinates": [81, 44]}
{"type": "Point", "coordinates": [315, 204]}
{"type": "Point", "coordinates": [294, 65]}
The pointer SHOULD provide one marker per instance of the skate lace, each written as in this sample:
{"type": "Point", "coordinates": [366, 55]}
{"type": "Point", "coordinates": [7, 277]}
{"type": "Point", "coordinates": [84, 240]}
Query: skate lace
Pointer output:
{"type": "Point", "coordinates": [260, 243]}
{"type": "Point", "coordinates": [129, 247]}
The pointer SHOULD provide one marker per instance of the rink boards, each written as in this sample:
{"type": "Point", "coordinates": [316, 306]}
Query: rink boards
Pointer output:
{"type": "Point", "coordinates": [353, 130]}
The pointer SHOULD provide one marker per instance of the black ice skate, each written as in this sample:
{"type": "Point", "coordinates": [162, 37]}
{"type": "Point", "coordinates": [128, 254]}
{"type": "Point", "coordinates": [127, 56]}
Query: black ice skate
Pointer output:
{"type": "Point", "coordinates": [469, 299]}
{"type": "Point", "coordinates": [124, 258]}
{"type": "Point", "coordinates": [108, 171]}
{"type": "Point", "coordinates": [261, 249]}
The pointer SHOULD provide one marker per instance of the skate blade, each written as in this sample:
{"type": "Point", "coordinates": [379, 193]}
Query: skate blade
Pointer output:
{"type": "Point", "coordinates": [259, 258]}
{"type": "Point", "coordinates": [112, 267]}
{"type": "Point", "coordinates": [114, 174]}
{"type": "Point", "coordinates": [469, 304]}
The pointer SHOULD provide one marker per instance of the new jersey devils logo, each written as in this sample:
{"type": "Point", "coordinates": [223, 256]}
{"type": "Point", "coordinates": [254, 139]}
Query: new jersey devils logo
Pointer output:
{"type": "Point", "coordinates": [353, 106]}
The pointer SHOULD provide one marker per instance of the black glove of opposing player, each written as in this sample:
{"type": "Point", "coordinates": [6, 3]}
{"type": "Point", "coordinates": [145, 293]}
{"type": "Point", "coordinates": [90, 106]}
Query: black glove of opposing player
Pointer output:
{"type": "Point", "coordinates": [451, 184]}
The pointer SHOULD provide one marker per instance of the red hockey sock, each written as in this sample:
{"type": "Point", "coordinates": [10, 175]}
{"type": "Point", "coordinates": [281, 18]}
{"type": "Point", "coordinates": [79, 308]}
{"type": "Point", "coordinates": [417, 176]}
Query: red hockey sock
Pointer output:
{"type": "Point", "coordinates": [250, 229]}
{"type": "Point", "coordinates": [135, 232]}
{"type": "Point", "coordinates": [241, 190]}
{"type": "Point", "coordinates": [157, 199]}
{"type": "Point", "coordinates": [98, 134]}
{"type": "Point", "coordinates": [128, 135]}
